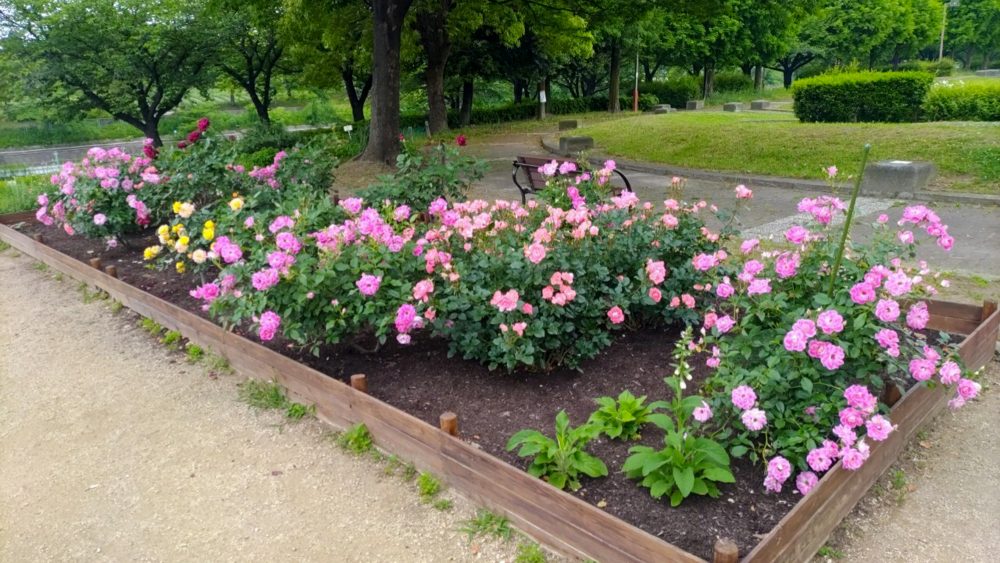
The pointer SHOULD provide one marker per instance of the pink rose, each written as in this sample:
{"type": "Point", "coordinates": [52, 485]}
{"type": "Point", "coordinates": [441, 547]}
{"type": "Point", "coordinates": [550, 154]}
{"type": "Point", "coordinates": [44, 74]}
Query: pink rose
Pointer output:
{"type": "Point", "coordinates": [616, 315]}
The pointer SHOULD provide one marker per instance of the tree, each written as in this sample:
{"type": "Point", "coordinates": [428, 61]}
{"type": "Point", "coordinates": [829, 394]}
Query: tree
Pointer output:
{"type": "Point", "coordinates": [974, 28]}
{"type": "Point", "coordinates": [387, 27]}
{"type": "Point", "coordinates": [252, 51]}
{"type": "Point", "coordinates": [135, 60]}
{"type": "Point", "coordinates": [331, 41]}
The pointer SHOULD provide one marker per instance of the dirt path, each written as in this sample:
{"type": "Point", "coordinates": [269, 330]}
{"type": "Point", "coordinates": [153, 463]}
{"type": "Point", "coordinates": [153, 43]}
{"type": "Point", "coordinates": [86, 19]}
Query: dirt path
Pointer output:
{"type": "Point", "coordinates": [114, 449]}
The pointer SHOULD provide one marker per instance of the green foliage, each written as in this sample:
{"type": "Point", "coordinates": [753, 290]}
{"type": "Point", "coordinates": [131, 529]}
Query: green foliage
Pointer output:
{"type": "Point", "coordinates": [443, 504]}
{"type": "Point", "coordinates": [428, 486]}
{"type": "Point", "coordinates": [529, 552]}
{"type": "Point", "coordinates": [487, 523]}
{"type": "Point", "coordinates": [194, 352]}
{"type": "Point", "coordinates": [563, 460]}
{"type": "Point", "coordinates": [625, 417]}
{"type": "Point", "coordinates": [862, 96]}
{"type": "Point", "coordinates": [944, 67]}
{"type": "Point", "coordinates": [734, 81]}
{"type": "Point", "coordinates": [172, 339]}
{"type": "Point", "coordinates": [676, 91]}
{"type": "Point", "coordinates": [116, 307]}
{"type": "Point", "coordinates": [263, 394]}
{"type": "Point", "coordinates": [298, 411]}
{"type": "Point", "coordinates": [963, 101]}
{"type": "Point", "coordinates": [426, 174]}
{"type": "Point", "coordinates": [21, 193]}
{"type": "Point", "coordinates": [151, 326]}
{"type": "Point", "coordinates": [688, 464]}
{"type": "Point", "coordinates": [356, 439]}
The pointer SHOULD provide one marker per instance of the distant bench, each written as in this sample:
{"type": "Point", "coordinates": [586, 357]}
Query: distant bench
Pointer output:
{"type": "Point", "coordinates": [535, 180]}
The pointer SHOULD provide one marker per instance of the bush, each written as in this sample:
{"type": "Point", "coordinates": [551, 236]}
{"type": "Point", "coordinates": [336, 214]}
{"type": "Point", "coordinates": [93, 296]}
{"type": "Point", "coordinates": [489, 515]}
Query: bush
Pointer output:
{"type": "Point", "coordinates": [973, 101]}
{"type": "Point", "coordinates": [733, 82]}
{"type": "Point", "coordinates": [944, 67]}
{"type": "Point", "coordinates": [676, 91]}
{"type": "Point", "coordinates": [862, 96]}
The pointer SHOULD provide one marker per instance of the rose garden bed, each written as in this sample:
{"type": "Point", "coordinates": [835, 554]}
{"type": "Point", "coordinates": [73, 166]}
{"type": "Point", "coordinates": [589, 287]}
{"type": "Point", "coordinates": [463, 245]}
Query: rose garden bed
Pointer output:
{"type": "Point", "coordinates": [409, 387]}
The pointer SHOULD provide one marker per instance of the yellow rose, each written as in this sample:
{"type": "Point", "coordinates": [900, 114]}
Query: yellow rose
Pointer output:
{"type": "Point", "coordinates": [180, 267]}
{"type": "Point", "coordinates": [236, 204]}
{"type": "Point", "coordinates": [177, 207]}
{"type": "Point", "coordinates": [208, 231]}
{"type": "Point", "coordinates": [177, 228]}
{"type": "Point", "coordinates": [186, 210]}
{"type": "Point", "coordinates": [163, 230]}
{"type": "Point", "coordinates": [199, 256]}
{"type": "Point", "coordinates": [181, 246]}
{"type": "Point", "coordinates": [151, 252]}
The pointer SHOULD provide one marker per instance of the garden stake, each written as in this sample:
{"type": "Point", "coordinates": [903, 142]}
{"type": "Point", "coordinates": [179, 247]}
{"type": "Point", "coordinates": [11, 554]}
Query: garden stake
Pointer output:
{"type": "Point", "coordinates": [726, 551]}
{"type": "Point", "coordinates": [111, 271]}
{"type": "Point", "coordinates": [95, 263]}
{"type": "Point", "coordinates": [449, 423]}
{"type": "Point", "coordinates": [359, 382]}
{"type": "Point", "coordinates": [847, 221]}
{"type": "Point", "coordinates": [38, 237]}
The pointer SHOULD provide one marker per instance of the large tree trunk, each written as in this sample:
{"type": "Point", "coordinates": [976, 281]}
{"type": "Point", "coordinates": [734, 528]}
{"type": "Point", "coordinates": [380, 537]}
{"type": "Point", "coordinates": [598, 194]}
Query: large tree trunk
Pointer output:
{"type": "Point", "coordinates": [465, 112]}
{"type": "Point", "coordinates": [614, 105]}
{"type": "Point", "coordinates": [433, 30]}
{"type": "Point", "coordinates": [151, 128]}
{"type": "Point", "coordinates": [261, 106]}
{"type": "Point", "coordinates": [708, 81]}
{"type": "Point", "coordinates": [383, 135]}
{"type": "Point", "coordinates": [758, 78]}
{"type": "Point", "coordinates": [787, 74]}
{"type": "Point", "coordinates": [518, 90]}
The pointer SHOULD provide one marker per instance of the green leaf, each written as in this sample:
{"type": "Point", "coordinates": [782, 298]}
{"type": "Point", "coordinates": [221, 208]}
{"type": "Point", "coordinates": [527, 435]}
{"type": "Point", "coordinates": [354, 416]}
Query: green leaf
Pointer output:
{"type": "Point", "coordinates": [659, 488]}
{"type": "Point", "coordinates": [737, 451]}
{"type": "Point", "coordinates": [557, 480]}
{"type": "Point", "coordinates": [720, 474]}
{"type": "Point", "coordinates": [807, 384]}
{"type": "Point", "coordinates": [684, 478]}
{"type": "Point", "coordinates": [591, 466]}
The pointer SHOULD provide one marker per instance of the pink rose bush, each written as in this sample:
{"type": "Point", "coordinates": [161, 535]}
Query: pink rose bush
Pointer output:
{"type": "Point", "coordinates": [796, 352]}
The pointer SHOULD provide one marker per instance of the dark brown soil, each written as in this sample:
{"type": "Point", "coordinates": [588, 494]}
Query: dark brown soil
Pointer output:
{"type": "Point", "coordinates": [491, 406]}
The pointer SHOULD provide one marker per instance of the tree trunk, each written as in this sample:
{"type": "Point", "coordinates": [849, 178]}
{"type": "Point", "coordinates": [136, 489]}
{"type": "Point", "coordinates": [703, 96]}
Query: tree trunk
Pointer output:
{"type": "Point", "coordinates": [614, 105]}
{"type": "Point", "coordinates": [758, 78]}
{"type": "Point", "coordinates": [649, 71]}
{"type": "Point", "coordinates": [356, 100]}
{"type": "Point", "coordinates": [383, 135]}
{"type": "Point", "coordinates": [151, 128]}
{"type": "Point", "coordinates": [787, 74]}
{"type": "Point", "coordinates": [465, 113]}
{"type": "Point", "coordinates": [708, 81]}
{"type": "Point", "coordinates": [746, 68]}
{"type": "Point", "coordinates": [260, 106]}
{"type": "Point", "coordinates": [433, 30]}
{"type": "Point", "coordinates": [540, 114]}
{"type": "Point", "coordinates": [518, 90]}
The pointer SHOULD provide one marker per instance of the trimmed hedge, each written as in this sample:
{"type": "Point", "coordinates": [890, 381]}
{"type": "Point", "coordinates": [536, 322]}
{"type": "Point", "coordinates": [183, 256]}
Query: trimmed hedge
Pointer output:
{"type": "Point", "coordinates": [957, 101]}
{"type": "Point", "coordinates": [676, 91]}
{"type": "Point", "coordinates": [862, 96]}
{"type": "Point", "coordinates": [944, 67]}
{"type": "Point", "coordinates": [732, 81]}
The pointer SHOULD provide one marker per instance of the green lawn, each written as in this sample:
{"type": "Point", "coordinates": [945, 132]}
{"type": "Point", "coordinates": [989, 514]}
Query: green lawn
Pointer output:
{"type": "Point", "coordinates": [967, 154]}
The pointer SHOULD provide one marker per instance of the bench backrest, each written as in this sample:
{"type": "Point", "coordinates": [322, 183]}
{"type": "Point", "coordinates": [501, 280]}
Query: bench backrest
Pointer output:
{"type": "Point", "coordinates": [535, 178]}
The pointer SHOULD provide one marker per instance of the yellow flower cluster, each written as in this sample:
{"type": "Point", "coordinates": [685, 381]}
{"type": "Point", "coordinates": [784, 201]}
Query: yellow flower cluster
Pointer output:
{"type": "Point", "coordinates": [151, 252]}
{"type": "Point", "coordinates": [208, 230]}
{"type": "Point", "coordinates": [185, 209]}
{"type": "Point", "coordinates": [236, 204]}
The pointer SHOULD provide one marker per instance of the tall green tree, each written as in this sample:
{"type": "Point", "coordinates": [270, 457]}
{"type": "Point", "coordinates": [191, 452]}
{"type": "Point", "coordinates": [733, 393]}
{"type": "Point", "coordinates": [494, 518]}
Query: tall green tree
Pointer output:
{"type": "Point", "coordinates": [135, 60]}
{"type": "Point", "coordinates": [974, 29]}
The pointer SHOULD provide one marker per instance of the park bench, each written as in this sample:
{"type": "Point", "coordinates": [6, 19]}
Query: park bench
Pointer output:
{"type": "Point", "coordinates": [535, 180]}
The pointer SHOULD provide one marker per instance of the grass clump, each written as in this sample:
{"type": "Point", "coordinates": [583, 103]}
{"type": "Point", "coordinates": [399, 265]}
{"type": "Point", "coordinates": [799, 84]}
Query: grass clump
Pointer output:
{"type": "Point", "coordinates": [428, 486]}
{"type": "Point", "coordinates": [530, 552]}
{"type": "Point", "coordinates": [486, 523]}
{"type": "Point", "coordinates": [171, 339]}
{"type": "Point", "coordinates": [356, 439]}
{"type": "Point", "coordinates": [443, 504]}
{"type": "Point", "coordinates": [266, 395]}
{"type": "Point", "coordinates": [152, 327]}
{"type": "Point", "coordinates": [194, 352]}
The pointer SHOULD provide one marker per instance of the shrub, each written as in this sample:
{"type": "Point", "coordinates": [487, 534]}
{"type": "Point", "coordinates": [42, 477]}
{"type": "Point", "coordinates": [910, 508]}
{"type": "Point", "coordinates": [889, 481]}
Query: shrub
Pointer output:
{"type": "Point", "coordinates": [676, 91]}
{"type": "Point", "coordinates": [862, 96]}
{"type": "Point", "coordinates": [424, 174]}
{"type": "Point", "coordinates": [732, 81]}
{"type": "Point", "coordinates": [944, 67]}
{"type": "Point", "coordinates": [957, 100]}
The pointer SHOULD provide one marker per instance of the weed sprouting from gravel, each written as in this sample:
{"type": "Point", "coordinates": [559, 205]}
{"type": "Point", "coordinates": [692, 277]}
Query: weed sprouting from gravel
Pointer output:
{"type": "Point", "coordinates": [443, 504]}
{"type": "Point", "coordinates": [428, 486]}
{"type": "Point", "coordinates": [194, 353]}
{"type": "Point", "coordinates": [172, 339]}
{"type": "Point", "coordinates": [262, 394]}
{"type": "Point", "coordinates": [152, 327]}
{"type": "Point", "coordinates": [487, 523]}
{"type": "Point", "coordinates": [3, 246]}
{"type": "Point", "coordinates": [298, 411]}
{"type": "Point", "coordinates": [827, 551]}
{"type": "Point", "coordinates": [356, 439]}
{"type": "Point", "coordinates": [40, 266]}
{"type": "Point", "coordinates": [530, 552]}
{"type": "Point", "coordinates": [116, 307]}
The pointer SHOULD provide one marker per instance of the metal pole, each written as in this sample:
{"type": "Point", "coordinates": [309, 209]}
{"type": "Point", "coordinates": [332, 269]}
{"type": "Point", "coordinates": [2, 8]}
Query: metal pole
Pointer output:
{"type": "Point", "coordinates": [944, 18]}
{"type": "Point", "coordinates": [635, 91]}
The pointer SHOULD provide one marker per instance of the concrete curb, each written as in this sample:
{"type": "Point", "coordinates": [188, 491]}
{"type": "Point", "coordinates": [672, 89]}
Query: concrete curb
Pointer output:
{"type": "Point", "coordinates": [551, 144]}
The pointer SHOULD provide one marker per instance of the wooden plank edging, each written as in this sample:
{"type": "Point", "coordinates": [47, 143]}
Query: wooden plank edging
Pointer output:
{"type": "Point", "coordinates": [554, 517]}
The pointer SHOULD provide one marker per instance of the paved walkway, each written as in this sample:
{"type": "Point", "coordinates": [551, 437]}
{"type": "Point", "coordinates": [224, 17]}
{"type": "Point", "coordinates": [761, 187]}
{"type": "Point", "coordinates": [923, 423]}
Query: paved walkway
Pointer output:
{"type": "Point", "coordinates": [976, 228]}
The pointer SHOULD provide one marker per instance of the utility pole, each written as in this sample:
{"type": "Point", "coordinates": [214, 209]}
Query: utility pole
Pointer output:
{"type": "Point", "coordinates": [944, 24]}
{"type": "Point", "coordinates": [635, 90]}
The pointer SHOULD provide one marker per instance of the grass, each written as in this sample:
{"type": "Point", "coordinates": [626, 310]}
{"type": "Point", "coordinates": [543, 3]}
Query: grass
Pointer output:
{"type": "Point", "coordinates": [967, 154]}
{"type": "Point", "coordinates": [428, 486]}
{"type": "Point", "coordinates": [530, 552]}
{"type": "Point", "coordinates": [20, 194]}
{"type": "Point", "coordinates": [356, 439]}
{"type": "Point", "coordinates": [487, 523]}
{"type": "Point", "coordinates": [262, 394]}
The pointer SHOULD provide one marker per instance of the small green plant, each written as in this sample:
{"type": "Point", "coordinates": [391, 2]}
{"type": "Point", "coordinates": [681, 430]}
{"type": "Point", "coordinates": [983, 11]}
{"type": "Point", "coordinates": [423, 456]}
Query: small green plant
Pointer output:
{"type": "Point", "coordinates": [487, 523]}
{"type": "Point", "coordinates": [40, 266]}
{"type": "Point", "coordinates": [3, 246]}
{"type": "Point", "coordinates": [391, 465]}
{"type": "Point", "coordinates": [832, 553]}
{"type": "Point", "coordinates": [979, 280]}
{"type": "Point", "coordinates": [443, 504]}
{"type": "Point", "coordinates": [428, 485]}
{"type": "Point", "coordinates": [58, 277]}
{"type": "Point", "coordinates": [530, 552]}
{"type": "Point", "coordinates": [356, 439]}
{"type": "Point", "coordinates": [262, 394]}
{"type": "Point", "coordinates": [625, 417]}
{"type": "Point", "coordinates": [898, 479]}
{"type": "Point", "coordinates": [298, 411]}
{"type": "Point", "coordinates": [172, 339]}
{"type": "Point", "coordinates": [560, 461]}
{"type": "Point", "coordinates": [409, 472]}
{"type": "Point", "coordinates": [116, 307]}
{"type": "Point", "coordinates": [194, 352]}
{"type": "Point", "coordinates": [688, 464]}
{"type": "Point", "coordinates": [150, 326]}
{"type": "Point", "coordinates": [217, 363]}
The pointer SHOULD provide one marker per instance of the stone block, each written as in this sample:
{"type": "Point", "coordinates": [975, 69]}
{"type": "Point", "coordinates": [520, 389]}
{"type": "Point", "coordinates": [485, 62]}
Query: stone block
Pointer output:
{"type": "Point", "coordinates": [760, 104]}
{"type": "Point", "coordinates": [567, 124]}
{"type": "Point", "coordinates": [896, 178]}
{"type": "Point", "coordinates": [696, 104]}
{"type": "Point", "coordinates": [732, 106]}
{"type": "Point", "coordinates": [575, 144]}
{"type": "Point", "coordinates": [662, 108]}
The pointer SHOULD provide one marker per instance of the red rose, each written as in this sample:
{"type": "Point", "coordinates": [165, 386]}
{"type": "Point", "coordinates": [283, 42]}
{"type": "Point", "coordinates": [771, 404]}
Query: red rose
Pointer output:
{"type": "Point", "coordinates": [461, 141]}
{"type": "Point", "coordinates": [203, 124]}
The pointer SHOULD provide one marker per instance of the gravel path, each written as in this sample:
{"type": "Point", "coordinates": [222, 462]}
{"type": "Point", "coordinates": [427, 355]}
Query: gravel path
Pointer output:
{"type": "Point", "coordinates": [114, 449]}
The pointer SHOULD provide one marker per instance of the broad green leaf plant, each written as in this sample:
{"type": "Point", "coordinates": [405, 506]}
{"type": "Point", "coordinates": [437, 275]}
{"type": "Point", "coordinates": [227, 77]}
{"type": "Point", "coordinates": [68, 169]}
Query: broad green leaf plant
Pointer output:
{"type": "Point", "coordinates": [560, 461]}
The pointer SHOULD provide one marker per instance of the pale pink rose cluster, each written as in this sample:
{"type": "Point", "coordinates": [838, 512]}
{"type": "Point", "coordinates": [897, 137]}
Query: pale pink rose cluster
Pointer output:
{"type": "Point", "coordinates": [822, 208]}
{"type": "Point", "coordinates": [801, 338]}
